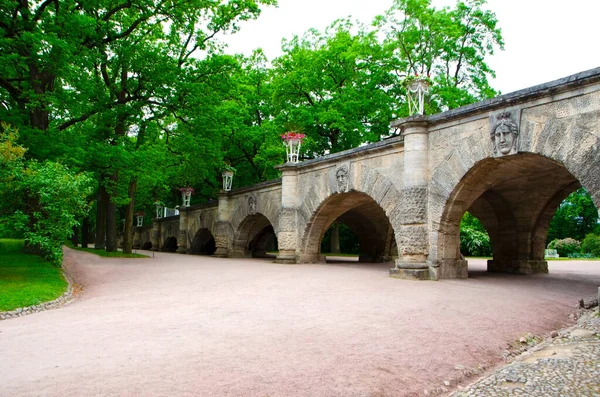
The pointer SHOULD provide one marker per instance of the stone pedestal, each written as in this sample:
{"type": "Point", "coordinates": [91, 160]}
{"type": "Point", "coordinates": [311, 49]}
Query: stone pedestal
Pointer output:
{"type": "Point", "coordinates": [517, 266]}
{"type": "Point", "coordinates": [410, 274]}
{"type": "Point", "coordinates": [450, 268]}
{"type": "Point", "coordinates": [410, 270]}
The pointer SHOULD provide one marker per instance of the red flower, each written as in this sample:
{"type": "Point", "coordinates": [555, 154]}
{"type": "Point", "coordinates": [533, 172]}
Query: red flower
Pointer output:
{"type": "Point", "coordinates": [289, 136]}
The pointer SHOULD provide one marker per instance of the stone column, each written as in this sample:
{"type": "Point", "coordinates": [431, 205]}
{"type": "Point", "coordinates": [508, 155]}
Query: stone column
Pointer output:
{"type": "Point", "coordinates": [222, 235]}
{"type": "Point", "coordinates": [182, 235]}
{"type": "Point", "coordinates": [155, 236]}
{"type": "Point", "coordinates": [288, 233]}
{"type": "Point", "coordinates": [412, 236]}
{"type": "Point", "coordinates": [335, 238]}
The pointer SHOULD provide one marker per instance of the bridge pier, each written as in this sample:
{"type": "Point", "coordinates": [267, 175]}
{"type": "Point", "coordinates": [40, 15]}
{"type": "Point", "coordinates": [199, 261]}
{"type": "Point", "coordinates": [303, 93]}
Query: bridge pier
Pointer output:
{"type": "Point", "coordinates": [137, 238]}
{"type": "Point", "coordinates": [183, 228]}
{"type": "Point", "coordinates": [155, 235]}
{"type": "Point", "coordinates": [288, 236]}
{"type": "Point", "coordinates": [223, 235]}
{"type": "Point", "coordinates": [412, 236]}
{"type": "Point", "coordinates": [517, 266]}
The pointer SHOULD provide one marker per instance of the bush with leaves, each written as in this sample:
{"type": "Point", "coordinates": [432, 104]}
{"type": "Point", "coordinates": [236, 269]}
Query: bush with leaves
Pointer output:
{"type": "Point", "coordinates": [591, 245]}
{"type": "Point", "coordinates": [474, 239]}
{"type": "Point", "coordinates": [41, 200]}
{"type": "Point", "coordinates": [565, 246]}
{"type": "Point", "coordinates": [474, 242]}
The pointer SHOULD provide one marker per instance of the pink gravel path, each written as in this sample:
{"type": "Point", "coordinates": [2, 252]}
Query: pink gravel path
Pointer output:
{"type": "Point", "coordinates": [182, 325]}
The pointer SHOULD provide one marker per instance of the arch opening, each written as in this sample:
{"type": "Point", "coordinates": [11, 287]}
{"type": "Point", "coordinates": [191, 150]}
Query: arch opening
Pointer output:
{"type": "Point", "coordinates": [170, 245]}
{"type": "Point", "coordinates": [514, 198]}
{"type": "Point", "coordinates": [203, 243]}
{"type": "Point", "coordinates": [255, 238]}
{"type": "Point", "coordinates": [363, 216]}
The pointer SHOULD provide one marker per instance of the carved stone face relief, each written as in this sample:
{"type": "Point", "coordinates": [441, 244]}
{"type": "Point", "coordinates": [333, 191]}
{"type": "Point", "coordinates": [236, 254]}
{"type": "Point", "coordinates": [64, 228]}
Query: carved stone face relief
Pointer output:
{"type": "Point", "coordinates": [505, 134]}
{"type": "Point", "coordinates": [252, 204]}
{"type": "Point", "coordinates": [341, 176]}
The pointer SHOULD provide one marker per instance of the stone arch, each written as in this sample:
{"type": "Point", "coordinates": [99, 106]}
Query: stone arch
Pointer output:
{"type": "Point", "coordinates": [254, 237]}
{"type": "Point", "coordinates": [558, 152]}
{"type": "Point", "coordinates": [205, 218]}
{"type": "Point", "coordinates": [369, 206]}
{"type": "Point", "coordinates": [203, 243]}
{"type": "Point", "coordinates": [262, 205]}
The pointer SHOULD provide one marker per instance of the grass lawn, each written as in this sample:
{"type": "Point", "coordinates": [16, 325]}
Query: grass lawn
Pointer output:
{"type": "Point", "coordinates": [27, 280]}
{"type": "Point", "coordinates": [118, 254]}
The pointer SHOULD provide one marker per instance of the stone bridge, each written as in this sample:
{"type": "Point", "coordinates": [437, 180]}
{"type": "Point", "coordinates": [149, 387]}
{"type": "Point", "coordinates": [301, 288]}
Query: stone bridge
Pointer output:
{"type": "Point", "coordinates": [510, 161]}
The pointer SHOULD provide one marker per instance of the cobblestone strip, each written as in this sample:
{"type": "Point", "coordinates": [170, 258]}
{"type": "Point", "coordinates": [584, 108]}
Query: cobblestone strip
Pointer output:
{"type": "Point", "coordinates": [567, 365]}
{"type": "Point", "coordinates": [62, 300]}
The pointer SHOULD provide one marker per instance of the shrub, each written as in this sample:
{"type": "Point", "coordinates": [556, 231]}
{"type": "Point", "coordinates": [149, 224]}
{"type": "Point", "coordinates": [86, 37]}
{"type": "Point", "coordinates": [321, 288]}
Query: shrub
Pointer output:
{"type": "Point", "coordinates": [591, 245]}
{"type": "Point", "coordinates": [581, 255]}
{"type": "Point", "coordinates": [44, 198]}
{"type": "Point", "coordinates": [474, 242]}
{"type": "Point", "coordinates": [10, 246]}
{"type": "Point", "coordinates": [565, 246]}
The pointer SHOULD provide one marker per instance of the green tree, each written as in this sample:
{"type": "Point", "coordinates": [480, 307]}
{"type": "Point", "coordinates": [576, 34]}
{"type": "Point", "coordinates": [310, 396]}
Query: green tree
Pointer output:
{"type": "Point", "coordinates": [474, 238]}
{"type": "Point", "coordinates": [251, 142]}
{"type": "Point", "coordinates": [575, 217]}
{"type": "Point", "coordinates": [111, 66]}
{"type": "Point", "coordinates": [331, 86]}
{"type": "Point", "coordinates": [45, 199]}
{"type": "Point", "coordinates": [449, 46]}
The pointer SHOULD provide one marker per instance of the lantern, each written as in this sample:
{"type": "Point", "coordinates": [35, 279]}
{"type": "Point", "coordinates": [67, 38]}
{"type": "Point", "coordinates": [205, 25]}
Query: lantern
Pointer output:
{"type": "Point", "coordinates": [417, 89]}
{"type": "Point", "coordinates": [292, 142]}
{"type": "Point", "coordinates": [160, 209]}
{"type": "Point", "coordinates": [227, 179]}
{"type": "Point", "coordinates": [186, 195]}
{"type": "Point", "coordinates": [139, 218]}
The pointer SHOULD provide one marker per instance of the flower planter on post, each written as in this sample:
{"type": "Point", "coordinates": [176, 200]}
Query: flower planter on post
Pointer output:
{"type": "Point", "coordinates": [292, 142]}
{"type": "Point", "coordinates": [227, 174]}
{"type": "Point", "coordinates": [160, 209]}
{"type": "Point", "coordinates": [186, 195]}
{"type": "Point", "coordinates": [416, 88]}
{"type": "Point", "coordinates": [139, 219]}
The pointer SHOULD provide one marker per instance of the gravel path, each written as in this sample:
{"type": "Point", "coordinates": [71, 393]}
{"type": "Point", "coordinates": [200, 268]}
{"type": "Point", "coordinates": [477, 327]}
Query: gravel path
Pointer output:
{"type": "Point", "coordinates": [182, 325]}
{"type": "Point", "coordinates": [568, 365]}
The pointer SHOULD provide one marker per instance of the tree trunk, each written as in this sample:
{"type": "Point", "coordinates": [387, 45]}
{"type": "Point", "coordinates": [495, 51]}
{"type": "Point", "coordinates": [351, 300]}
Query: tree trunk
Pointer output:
{"type": "Point", "coordinates": [111, 220]}
{"type": "Point", "coordinates": [100, 240]}
{"type": "Point", "coordinates": [128, 234]}
{"type": "Point", "coordinates": [85, 231]}
{"type": "Point", "coordinates": [75, 236]}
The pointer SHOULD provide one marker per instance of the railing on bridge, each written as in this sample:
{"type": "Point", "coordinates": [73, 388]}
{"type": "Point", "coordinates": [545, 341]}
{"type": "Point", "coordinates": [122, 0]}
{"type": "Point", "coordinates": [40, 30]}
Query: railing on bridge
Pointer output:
{"type": "Point", "coordinates": [170, 212]}
{"type": "Point", "coordinates": [164, 212]}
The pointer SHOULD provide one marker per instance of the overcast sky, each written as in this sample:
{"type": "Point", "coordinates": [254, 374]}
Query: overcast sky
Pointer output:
{"type": "Point", "coordinates": [544, 39]}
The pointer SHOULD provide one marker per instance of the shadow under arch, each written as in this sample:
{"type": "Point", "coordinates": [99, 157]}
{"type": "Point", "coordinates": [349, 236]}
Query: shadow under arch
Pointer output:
{"type": "Point", "coordinates": [203, 243]}
{"type": "Point", "coordinates": [515, 198]}
{"type": "Point", "coordinates": [254, 237]}
{"type": "Point", "coordinates": [363, 215]}
{"type": "Point", "coordinates": [170, 245]}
